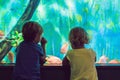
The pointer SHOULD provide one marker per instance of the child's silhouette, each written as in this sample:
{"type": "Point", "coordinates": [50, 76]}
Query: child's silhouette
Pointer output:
{"type": "Point", "coordinates": [30, 55]}
{"type": "Point", "coordinates": [80, 59]}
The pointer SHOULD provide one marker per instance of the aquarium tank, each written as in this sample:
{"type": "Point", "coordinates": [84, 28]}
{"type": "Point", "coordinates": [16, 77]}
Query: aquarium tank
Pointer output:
{"type": "Point", "coordinates": [100, 18]}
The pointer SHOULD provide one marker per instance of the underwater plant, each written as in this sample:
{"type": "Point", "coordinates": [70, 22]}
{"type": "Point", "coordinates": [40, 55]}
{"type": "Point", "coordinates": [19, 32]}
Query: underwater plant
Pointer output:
{"type": "Point", "coordinates": [100, 18]}
{"type": "Point", "coordinates": [5, 45]}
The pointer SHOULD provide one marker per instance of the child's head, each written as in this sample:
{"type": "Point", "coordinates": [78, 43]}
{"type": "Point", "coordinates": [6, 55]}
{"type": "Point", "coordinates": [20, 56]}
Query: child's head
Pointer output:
{"type": "Point", "coordinates": [32, 31]}
{"type": "Point", "coordinates": [78, 37]}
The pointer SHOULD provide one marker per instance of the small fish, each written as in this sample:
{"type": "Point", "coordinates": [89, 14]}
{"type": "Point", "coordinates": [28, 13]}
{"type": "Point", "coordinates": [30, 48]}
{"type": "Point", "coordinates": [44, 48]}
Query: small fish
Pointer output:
{"type": "Point", "coordinates": [114, 61]}
{"type": "Point", "coordinates": [103, 59]}
{"type": "Point", "coordinates": [64, 48]}
{"type": "Point", "coordinates": [1, 34]}
{"type": "Point", "coordinates": [11, 56]}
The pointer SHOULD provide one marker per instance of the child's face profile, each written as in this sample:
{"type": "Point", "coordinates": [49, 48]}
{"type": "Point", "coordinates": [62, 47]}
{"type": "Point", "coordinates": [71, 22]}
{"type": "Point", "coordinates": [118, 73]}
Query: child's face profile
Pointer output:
{"type": "Point", "coordinates": [38, 38]}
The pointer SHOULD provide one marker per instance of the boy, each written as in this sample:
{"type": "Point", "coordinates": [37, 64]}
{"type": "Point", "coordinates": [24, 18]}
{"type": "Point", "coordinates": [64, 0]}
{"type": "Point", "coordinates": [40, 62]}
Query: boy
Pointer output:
{"type": "Point", "coordinates": [30, 55]}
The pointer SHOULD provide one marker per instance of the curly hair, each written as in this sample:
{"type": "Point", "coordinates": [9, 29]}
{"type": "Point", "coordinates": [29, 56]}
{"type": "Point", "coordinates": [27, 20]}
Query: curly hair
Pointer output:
{"type": "Point", "coordinates": [30, 30]}
{"type": "Point", "coordinates": [78, 37]}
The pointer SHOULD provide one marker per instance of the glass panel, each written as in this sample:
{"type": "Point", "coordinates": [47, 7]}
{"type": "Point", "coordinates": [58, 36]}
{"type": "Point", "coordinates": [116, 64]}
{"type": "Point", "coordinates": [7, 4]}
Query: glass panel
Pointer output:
{"type": "Point", "coordinates": [100, 18]}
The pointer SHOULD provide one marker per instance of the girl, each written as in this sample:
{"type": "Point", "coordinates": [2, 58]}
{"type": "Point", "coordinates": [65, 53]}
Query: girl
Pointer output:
{"type": "Point", "coordinates": [80, 59]}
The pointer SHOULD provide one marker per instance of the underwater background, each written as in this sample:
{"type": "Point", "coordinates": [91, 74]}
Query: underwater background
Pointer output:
{"type": "Point", "coordinates": [100, 18]}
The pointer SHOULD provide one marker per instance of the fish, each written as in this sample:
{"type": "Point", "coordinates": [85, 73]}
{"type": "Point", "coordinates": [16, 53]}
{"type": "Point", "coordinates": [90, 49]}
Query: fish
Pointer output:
{"type": "Point", "coordinates": [64, 48]}
{"type": "Point", "coordinates": [1, 34]}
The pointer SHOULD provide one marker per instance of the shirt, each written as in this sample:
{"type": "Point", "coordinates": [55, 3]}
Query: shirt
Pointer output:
{"type": "Point", "coordinates": [82, 64]}
{"type": "Point", "coordinates": [28, 61]}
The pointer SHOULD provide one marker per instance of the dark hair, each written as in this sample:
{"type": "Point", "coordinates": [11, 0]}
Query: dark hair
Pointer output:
{"type": "Point", "coordinates": [30, 30]}
{"type": "Point", "coordinates": [78, 37]}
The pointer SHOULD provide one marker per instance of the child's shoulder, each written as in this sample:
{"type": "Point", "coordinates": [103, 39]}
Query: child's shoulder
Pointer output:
{"type": "Point", "coordinates": [92, 52]}
{"type": "Point", "coordinates": [89, 49]}
{"type": "Point", "coordinates": [83, 49]}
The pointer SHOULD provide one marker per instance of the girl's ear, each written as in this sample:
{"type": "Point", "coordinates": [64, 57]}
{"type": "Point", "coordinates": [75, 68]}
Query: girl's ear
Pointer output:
{"type": "Point", "coordinates": [86, 41]}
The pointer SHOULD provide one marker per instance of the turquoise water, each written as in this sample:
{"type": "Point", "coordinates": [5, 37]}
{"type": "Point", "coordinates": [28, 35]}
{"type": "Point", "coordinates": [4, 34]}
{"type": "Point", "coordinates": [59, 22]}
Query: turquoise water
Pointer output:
{"type": "Point", "coordinates": [100, 18]}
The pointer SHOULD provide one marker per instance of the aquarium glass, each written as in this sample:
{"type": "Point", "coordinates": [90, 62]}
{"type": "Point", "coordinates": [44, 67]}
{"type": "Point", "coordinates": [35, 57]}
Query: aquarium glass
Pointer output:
{"type": "Point", "coordinates": [100, 18]}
